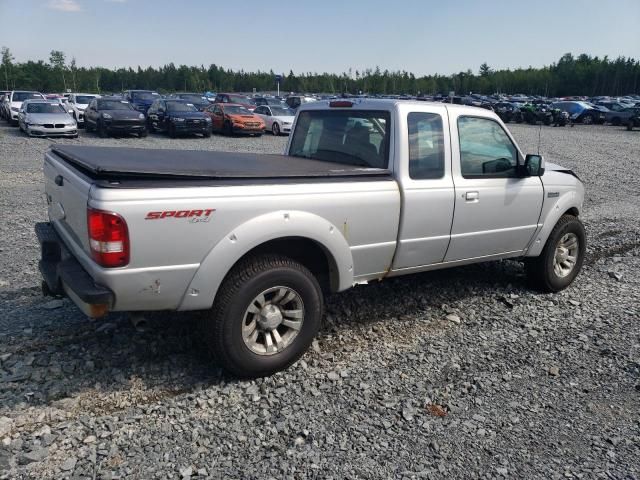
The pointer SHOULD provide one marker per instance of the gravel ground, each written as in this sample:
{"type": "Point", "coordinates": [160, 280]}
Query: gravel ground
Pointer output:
{"type": "Point", "coordinates": [464, 373]}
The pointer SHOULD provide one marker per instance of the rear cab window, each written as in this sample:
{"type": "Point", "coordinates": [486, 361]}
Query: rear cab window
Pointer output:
{"type": "Point", "coordinates": [426, 145]}
{"type": "Point", "coordinates": [352, 137]}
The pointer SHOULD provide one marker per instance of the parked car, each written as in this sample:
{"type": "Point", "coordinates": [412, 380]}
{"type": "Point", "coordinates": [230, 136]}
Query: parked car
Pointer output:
{"type": "Point", "coordinates": [3, 112]}
{"type": "Point", "coordinates": [268, 101]}
{"type": "Point", "coordinates": [77, 103]}
{"type": "Point", "coordinates": [618, 113]}
{"type": "Point", "coordinates": [254, 240]}
{"type": "Point", "coordinates": [230, 119]}
{"type": "Point", "coordinates": [113, 115]}
{"type": "Point", "coordinates": [141, 99]}
{"type": "Point", "coordinates": [294, 101]}
{"type": "Point", "coordinates": [46, 118]}
{"type": "Point", "coordinates": [634, 120]}
{"type": "Point", "coordinates": [580, 112]}
{"type": "Point", "coordinates": [235, 98]}
{"type": "Point", "coordinates": [197, 99]}
{"type": "Point", "coordinates": [177, 117]}
{"type": "Point", "coordinates": [13, 102]}
{"type": "Point", "coordinates": [277, 118]}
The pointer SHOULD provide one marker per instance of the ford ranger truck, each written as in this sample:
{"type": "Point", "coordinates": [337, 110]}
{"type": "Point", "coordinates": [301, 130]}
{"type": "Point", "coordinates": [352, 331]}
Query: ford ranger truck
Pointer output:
{"type": "Point", "coordinates": [366, 189]}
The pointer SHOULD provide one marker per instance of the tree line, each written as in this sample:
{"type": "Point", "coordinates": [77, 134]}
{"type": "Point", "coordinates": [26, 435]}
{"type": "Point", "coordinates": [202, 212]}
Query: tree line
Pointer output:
{"type": "Point", "coordinates": [579, 75]}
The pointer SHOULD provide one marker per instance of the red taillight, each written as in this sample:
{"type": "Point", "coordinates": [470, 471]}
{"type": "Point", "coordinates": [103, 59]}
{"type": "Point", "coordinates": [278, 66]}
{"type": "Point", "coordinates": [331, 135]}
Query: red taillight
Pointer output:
{"type": "Point", "coordinates": [108, 238]}
{"type": "Point", "coordinates": [341, 103]}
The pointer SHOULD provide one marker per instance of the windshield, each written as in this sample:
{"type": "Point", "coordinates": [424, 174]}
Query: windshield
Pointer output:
{"type": "Point", "coordinates": [45, 108]}
{"type": "Point", "coordinates": [114, 105]}
{"type": "Point", "coordinates": [181, 107]}
{"type": "Point", "coordinates": [144, 95]}
{"type": "Point", "coordinates": [22, 96]}
{"type": "Point", "coordinates": [193, 98]}
{"type": "Point", "coordinates": [349, 137]}
{"type": "Point", "coordinates": [84, 99]}
{"type": "Point", "coordinates": [282, 112]}
{"type": "Point", "coordinates": [237, 110]}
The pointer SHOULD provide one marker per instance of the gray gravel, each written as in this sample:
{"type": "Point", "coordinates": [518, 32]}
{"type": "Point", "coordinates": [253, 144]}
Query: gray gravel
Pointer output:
{"type": "Point", "coordinates": [463, 373]}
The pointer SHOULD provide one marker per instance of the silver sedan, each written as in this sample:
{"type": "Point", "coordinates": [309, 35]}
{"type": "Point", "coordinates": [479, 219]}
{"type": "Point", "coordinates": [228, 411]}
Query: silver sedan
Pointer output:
{"type": "Point", "coordinates": [46, 118]}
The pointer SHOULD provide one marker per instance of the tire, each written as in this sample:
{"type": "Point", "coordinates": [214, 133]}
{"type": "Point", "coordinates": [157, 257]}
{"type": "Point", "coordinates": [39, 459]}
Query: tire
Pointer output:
{"type": "Point", "coordinates": [248, 285]}
{"type": "Point", "coordinates": [630, 126]}
{"type": "Point", "coordinates": [275, 129]}
{"type": "Point", "coordinates": [143, 134]}
{"type": "Point", "coordinates": [101, 131]}
{"type": "Point", "coordinates": [88, 127]}
{"type": "Point", "coordinates": [207, 133]}
{"type": "Point", "coordinates": [150, 127]}
{"type": "Point", "coordinates": [227, 129]}
{"type": "Point", "coordinates": [172, 131]}
{"type": "Point", "coordinates": [543, 271]}
{"type": "Point", "coordinates": [587, 120]}
{"type": "Point", "coordinates": [615, 121]}
{"type": "Point", "coordinates": [548, 120]}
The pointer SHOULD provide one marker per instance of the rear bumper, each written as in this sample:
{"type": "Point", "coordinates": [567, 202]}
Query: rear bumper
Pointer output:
{"type": "Point", "coordinates": [63, 275]}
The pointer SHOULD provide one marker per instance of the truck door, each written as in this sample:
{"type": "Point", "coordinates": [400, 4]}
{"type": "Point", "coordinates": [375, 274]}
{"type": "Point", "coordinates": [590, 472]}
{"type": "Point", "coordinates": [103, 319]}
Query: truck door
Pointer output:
{"type": "Point", "coordinates": [496, 211]}
{"type": "Point", "coordinates": [426, 186]}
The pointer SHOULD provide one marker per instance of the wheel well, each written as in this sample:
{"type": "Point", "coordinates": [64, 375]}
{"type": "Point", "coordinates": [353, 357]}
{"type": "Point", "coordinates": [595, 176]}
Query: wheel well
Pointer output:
{"type": "Point", "coordinates": [573, 211]}
{"type": "Point", "coordinates": [308, 252]}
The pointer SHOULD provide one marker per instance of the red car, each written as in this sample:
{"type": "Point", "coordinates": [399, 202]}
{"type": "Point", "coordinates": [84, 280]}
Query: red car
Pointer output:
{"type": "Point", "coordinates": [231, 118]}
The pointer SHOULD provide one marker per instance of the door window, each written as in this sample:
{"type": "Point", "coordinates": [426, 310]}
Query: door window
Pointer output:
{"type": "Point", "coordinates": [426, 148]}
{"type": "Point", "coordinates": [485, 149]}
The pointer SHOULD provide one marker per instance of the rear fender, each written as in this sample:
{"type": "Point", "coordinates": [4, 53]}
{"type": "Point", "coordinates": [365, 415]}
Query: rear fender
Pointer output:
{"type": "Point", "coordinates": [205, 284]}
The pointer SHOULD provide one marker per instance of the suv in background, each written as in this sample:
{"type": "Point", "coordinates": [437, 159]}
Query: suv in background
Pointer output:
{"type": "Point", "coordinates": [236, 98]}
{"type": "Point", "coordinates": [197, 99]}
{"type": "Point", "coordinates": [13, 103]}
{"type": "Point", "coordinates": [141, 100]}
{"type": "Point", "coordinates": [77, 103]}
{"type": "Point", "coordinates": [294, 101]}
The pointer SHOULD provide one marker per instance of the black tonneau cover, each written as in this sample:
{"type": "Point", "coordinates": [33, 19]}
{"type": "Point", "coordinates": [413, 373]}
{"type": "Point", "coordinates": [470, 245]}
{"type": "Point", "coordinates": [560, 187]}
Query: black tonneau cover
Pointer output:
{"type": "Point", "coordinates": [142, 163]}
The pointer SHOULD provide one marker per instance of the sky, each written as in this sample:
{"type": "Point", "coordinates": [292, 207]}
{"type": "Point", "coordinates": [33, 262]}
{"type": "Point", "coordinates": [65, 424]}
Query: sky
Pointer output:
{"type": "Point", "coordinates": [423, 37]}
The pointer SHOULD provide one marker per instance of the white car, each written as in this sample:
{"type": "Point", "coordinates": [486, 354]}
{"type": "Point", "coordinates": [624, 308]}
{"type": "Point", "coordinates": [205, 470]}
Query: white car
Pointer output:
{"type": "Point", "coordinates": [277, 119]}
{"type": "Point", "coordinates": [77, 103]}
{"type": "Point", "coordinates": [46, 118]}
{"type": "Point", "coordinates": [14, 103]}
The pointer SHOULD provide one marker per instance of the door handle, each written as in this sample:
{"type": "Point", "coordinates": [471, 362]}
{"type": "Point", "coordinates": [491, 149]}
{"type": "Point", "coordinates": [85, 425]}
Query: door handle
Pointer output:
{"type": "Point", "coordinates": [472, 196]}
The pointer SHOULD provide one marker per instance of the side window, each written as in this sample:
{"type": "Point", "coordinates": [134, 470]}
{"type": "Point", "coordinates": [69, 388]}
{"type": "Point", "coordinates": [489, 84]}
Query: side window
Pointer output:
{"type": "Point", "coordinates": [485, 149]}
{"type": "Point", "coordinates": [426, 145]}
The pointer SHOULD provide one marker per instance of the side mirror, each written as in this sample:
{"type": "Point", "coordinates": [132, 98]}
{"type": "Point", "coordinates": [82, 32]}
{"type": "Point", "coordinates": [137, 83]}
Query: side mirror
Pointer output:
{"type": "Point", "coordinates": [533, 165]}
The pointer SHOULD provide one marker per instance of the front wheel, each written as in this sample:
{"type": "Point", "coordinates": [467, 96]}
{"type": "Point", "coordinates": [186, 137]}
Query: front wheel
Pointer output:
{"type": "Point", "coordinates": [630, 125]}
{"type": "Point", "coordinates": [143, 133]}
{"type": "Point", "coordinates": [562, 256]}
{"type": "Point", "coordinates": [102, 131]}
{"type": "Point", "coordinates": [587, 120]}
{"type": "Point", "coordinates": [265, 316]}
{"type": "Point", "coordinates": [275, 129]}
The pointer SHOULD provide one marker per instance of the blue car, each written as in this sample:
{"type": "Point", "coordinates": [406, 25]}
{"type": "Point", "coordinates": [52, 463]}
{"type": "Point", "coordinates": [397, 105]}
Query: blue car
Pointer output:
{"type": "Point", "coordinates": [141, 99]}
{"type": "Point", "coordinates": [582, 112]}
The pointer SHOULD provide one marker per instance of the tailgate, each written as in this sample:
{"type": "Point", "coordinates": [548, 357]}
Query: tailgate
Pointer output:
{"type": "Point", "coordinates": [67, 192]}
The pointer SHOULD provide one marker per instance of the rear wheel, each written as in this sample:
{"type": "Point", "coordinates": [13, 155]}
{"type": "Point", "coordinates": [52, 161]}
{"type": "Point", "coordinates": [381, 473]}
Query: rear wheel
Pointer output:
{"type": "Point", "coordinates": [265, 316]}
{"type": "Point", "coordinates": [587, 120]}
{"type": "Point", "coordinates": [275, 129]}
{"type": "Point", "coordinates": [562, 256]}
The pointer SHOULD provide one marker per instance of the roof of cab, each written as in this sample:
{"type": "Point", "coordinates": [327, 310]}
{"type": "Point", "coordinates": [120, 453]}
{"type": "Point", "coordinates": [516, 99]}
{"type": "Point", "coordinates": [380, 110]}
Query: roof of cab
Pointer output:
{"type": "Point", "coordinates": [385, 104]}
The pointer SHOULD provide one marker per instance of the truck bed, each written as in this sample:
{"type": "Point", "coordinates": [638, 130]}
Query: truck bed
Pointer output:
{"type": "Point", "coordinates": [109, 163]}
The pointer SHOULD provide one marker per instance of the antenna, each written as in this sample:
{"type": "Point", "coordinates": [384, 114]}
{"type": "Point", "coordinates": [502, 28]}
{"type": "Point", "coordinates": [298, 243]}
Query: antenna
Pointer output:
{"type": "Point", "coordinates": [539, 135]}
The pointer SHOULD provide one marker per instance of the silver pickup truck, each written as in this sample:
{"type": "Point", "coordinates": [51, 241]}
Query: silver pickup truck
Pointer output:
{"type": "Point", "coordinates": [367, 189]}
